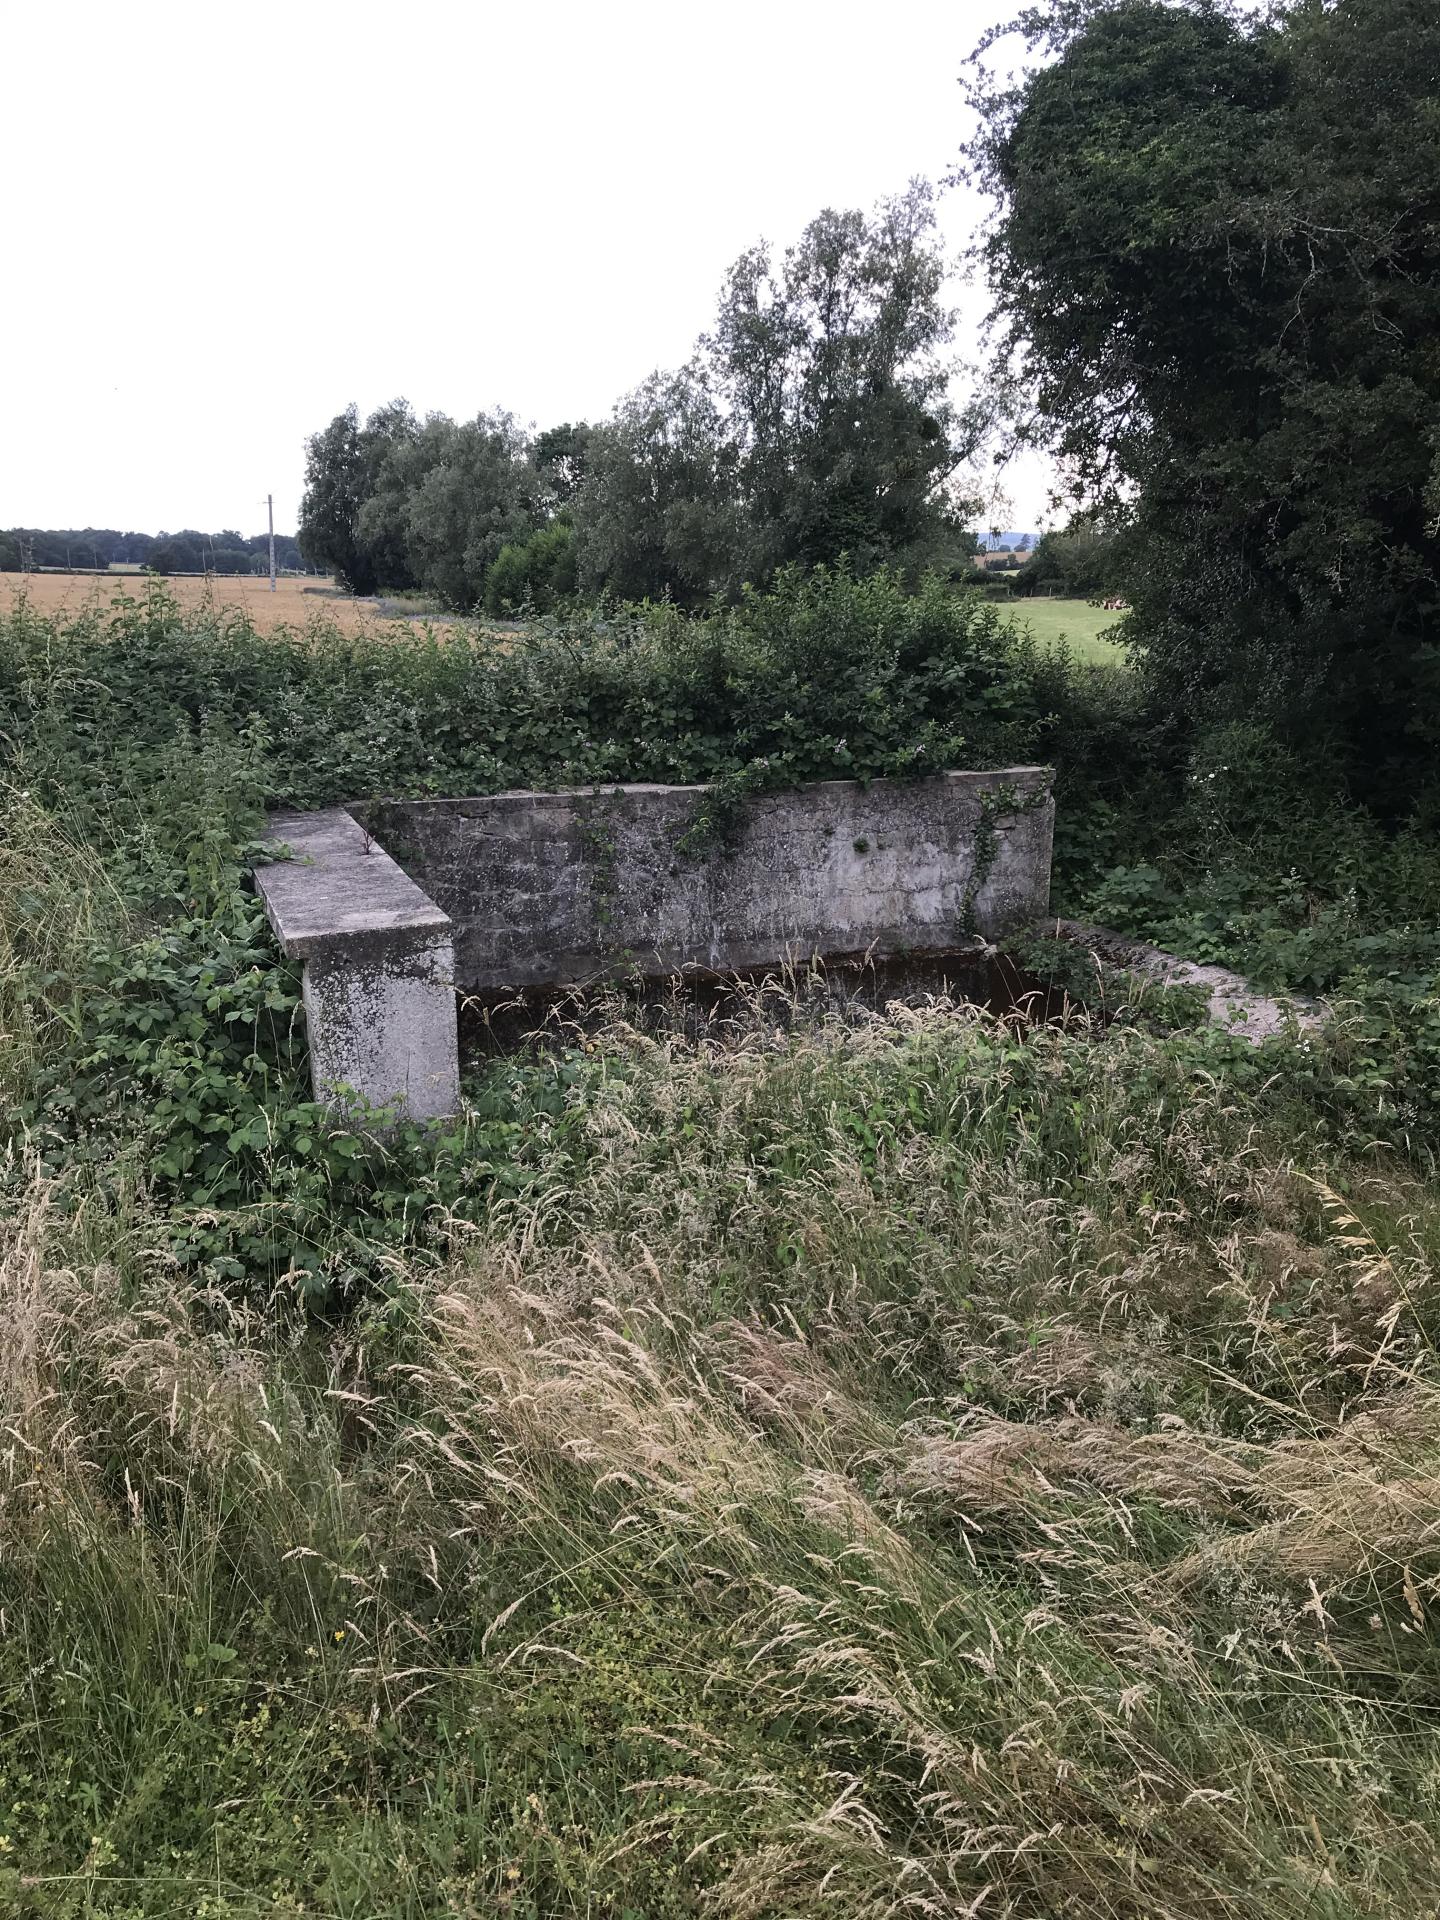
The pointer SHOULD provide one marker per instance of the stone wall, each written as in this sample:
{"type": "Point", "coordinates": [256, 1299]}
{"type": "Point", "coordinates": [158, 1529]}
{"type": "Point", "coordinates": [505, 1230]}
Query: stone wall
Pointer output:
{"type": "Point", "coordinates": [395, 906]}
{"type": "Point", "coordinates": [555, 888]}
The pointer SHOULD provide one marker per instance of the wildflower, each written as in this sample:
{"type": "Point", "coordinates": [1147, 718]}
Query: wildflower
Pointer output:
{"type": "Point", "coordinates": [339, 1635]}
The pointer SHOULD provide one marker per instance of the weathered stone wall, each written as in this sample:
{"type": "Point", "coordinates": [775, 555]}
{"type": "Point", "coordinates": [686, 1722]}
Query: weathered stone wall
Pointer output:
{"type": "Point", "coordinates": [555, 888]}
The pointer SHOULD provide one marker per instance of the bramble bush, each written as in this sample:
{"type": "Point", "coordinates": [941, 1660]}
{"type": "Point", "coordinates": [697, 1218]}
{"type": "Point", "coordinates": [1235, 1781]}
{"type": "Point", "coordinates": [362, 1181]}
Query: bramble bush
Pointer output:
{"type": "Point", "coordinates": [1249, 857]}
{"type": "Point", "coordinates": [154, 1037]}
{"type": "Point", "coordinates": [825, 676]}
{"type": "Point", "coordinates": [154, 1046]}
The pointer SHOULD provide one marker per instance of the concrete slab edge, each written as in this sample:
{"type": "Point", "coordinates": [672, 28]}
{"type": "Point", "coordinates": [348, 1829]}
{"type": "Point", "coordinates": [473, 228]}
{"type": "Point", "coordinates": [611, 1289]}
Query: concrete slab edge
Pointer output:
{"type": "Point", "coordinates": [1234, 1003]}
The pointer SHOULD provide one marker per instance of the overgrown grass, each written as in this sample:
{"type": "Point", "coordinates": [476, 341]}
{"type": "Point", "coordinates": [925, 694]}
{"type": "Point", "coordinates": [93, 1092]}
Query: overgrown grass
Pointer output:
{"type": "Point", "coordinates": [923, 1468]}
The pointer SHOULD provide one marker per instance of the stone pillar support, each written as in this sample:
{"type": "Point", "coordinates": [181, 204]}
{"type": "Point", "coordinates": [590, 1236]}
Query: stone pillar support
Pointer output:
{"type": "Point", "coordinates": [379, 980]}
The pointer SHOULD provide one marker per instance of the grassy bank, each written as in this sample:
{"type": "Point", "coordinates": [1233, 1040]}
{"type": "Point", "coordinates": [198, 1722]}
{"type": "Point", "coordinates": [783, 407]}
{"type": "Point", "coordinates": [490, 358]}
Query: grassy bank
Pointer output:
{"type": "Point", "coordinates": [898, 1471]}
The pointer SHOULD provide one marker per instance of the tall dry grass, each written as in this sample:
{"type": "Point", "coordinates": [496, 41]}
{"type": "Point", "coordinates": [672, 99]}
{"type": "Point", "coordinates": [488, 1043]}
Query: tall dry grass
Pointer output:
{"type": "Point", "coordinates": [909, 1468]}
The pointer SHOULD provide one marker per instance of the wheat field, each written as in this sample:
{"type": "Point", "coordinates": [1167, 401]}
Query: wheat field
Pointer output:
{"type": "Point", "coordinates": [294, 602]}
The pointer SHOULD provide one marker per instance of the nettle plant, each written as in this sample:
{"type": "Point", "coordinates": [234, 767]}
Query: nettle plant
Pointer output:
{"type": "Point", "coordinates": [186, 1077]}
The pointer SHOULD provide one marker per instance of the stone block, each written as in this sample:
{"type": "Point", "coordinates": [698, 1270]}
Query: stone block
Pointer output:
{"type": "Point", "coordinates": [379, 968]}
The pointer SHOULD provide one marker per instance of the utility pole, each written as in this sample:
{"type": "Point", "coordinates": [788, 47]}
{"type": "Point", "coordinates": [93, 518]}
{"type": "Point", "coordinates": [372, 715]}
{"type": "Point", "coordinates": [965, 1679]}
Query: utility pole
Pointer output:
{"type": "Point", "coordinates": [270, 506]}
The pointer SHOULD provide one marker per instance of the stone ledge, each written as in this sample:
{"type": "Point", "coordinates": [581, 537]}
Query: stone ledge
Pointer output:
{"type": "Point", "coordinates": [341, 889]}
{"type": "Point", "coordinates": [1019, 780]}
{"type": "Point", "coordinates": [379, 969]}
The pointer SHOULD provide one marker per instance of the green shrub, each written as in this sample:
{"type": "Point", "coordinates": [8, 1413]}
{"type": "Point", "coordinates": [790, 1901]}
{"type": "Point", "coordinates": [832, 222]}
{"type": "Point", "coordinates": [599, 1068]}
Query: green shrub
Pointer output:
{"type": "Point", "coordinates": [825, 676]}
{"type": "Point", "coordinates": [534, 575]}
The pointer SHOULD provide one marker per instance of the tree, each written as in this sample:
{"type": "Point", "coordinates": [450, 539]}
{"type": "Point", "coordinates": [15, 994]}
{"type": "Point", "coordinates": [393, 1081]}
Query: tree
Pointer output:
{"type": "Point", "coordinates": [479, 494]}
{"type": "Point", "coordinates": [183, 552]}
{"type": "Point", "coordinates": [188, 551]}
{"type": "Point", "coordinates": [832, 373]}
{"type": "Point", "coordinates": [561, 457]}
{"type": "Point", "coordinates": [395, 453]}
{"type": "Point", "coordinates": [335, 481]}
{"type": "Point", "coordinates": [1217, 265]}
{"type": "Point", "coordinates": [401, 502]}
{"type": "Point", "coordinates": [287, 553]}
{"type": "Point", "coordinates": [659, 511]}
{"type": "Point", "coordinates": [813, 422]}
{"type": "Point", "coordinates": [1084, 559]}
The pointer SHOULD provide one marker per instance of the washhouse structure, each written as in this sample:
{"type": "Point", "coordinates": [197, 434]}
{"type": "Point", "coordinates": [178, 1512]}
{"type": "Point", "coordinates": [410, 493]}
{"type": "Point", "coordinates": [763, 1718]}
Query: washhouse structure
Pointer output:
{"type": "Point", "coordinates": [400, 908]}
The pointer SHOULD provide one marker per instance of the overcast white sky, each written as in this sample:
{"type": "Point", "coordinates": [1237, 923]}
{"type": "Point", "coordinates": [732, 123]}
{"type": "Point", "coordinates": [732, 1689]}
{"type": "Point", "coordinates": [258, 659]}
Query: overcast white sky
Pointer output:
{"type": "Point", "coordinates": [224, 222]}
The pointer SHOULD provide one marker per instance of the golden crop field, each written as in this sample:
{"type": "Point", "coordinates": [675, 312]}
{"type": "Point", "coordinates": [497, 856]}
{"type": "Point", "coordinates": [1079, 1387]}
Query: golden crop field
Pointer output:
{"type": "Point", "coordinates": [290, 605]}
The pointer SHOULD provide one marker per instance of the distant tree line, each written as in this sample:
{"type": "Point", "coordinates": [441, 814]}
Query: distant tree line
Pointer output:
{"type": "Point", "coordinates": [23, 548]}
{"type": "Point", "coordinates": [813, 421]}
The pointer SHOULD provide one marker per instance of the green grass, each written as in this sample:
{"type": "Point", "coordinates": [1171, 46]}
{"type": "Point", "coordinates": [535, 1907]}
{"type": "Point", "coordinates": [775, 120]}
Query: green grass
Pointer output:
{"type": "Point", "coordinates": [1084, 627]}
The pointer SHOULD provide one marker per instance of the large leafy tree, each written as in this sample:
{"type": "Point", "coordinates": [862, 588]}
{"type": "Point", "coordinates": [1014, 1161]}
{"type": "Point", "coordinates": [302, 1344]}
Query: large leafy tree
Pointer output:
{"type": "Point", "coordinates": [813, 422]}
{"type": "Point", "coordinates": [335, 480]}
{"type": "Point", "coordinates": [403, 502]}
{"type": "Point", "coordinates": [340, 463]}
{"type": "Point", "coordinates": [832, 368]}
{"type": "Point", "coordinates": [477, 493]}
{"type": "Point", "coordinates": [658, 511]}
{"type": "Point", "coordinates": [1217, 270]}
{"type": "Point", "coordinates": [396, 450]}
